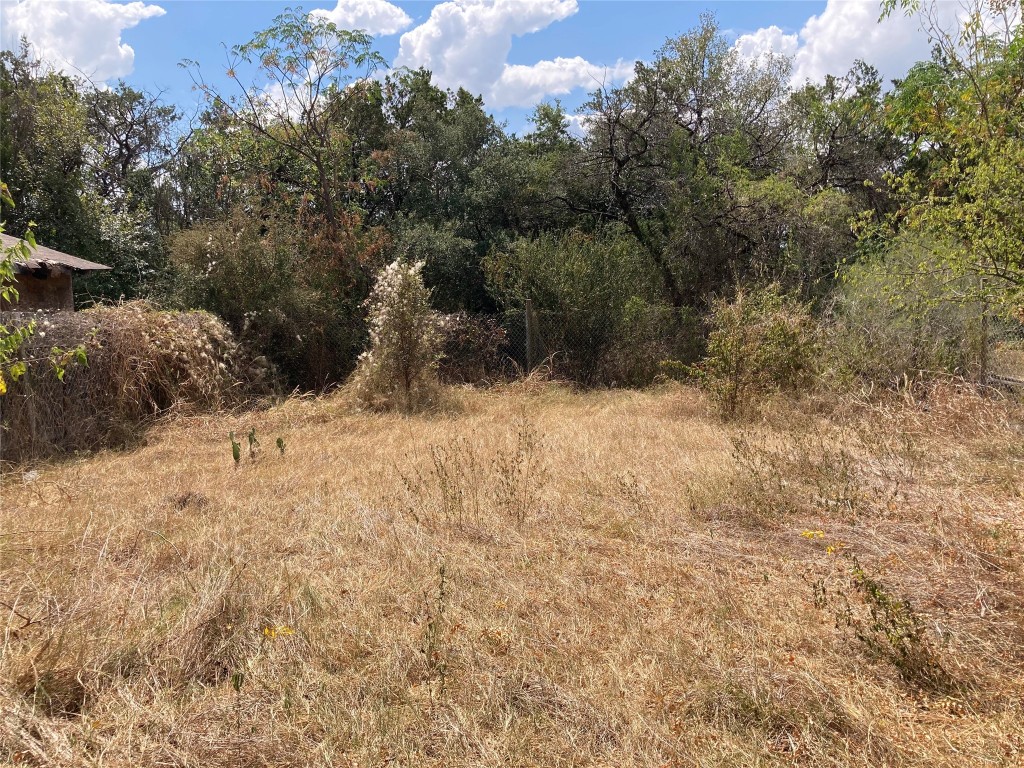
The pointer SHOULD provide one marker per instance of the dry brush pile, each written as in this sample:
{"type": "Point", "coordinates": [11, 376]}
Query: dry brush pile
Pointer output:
{"type": "Point", "coordinates": [140, 363]}
{"type": "Point", "coordinates": [538, 578]}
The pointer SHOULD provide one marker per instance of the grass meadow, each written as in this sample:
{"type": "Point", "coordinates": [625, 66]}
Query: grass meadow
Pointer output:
{"type": "Point", "coordinates": [530, 577]}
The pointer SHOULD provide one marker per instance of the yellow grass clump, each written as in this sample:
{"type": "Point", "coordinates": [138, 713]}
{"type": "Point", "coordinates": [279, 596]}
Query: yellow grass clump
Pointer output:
{"type": "Point", "coordinates": [140, 363]}
{"type": "Point", "coordinates": [534, 578]}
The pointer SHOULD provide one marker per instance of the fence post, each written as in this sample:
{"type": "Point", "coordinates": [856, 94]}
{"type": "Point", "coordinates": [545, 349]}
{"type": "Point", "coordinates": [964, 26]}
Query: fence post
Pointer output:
{"type": "Point", "coordinates": [530, 331]}
{"type": "Point", "coordinates": [983, 358]}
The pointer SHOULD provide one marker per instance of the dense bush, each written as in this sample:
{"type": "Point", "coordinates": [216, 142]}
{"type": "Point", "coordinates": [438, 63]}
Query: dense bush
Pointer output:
{"type": "Point", "coordinates": [281, 293]}
{"type": "Point", "coordinates": [472, 349]}
{"type": "Point", "coordinates": [451, 264]}
{"type": "Point", "coordinates": [141, 363]}
{"type": "Point", "coordinates": [399, 370]}
{"type": "Point", "coordinates": [761, 342]}
{"type": "Point", "coordinates": [893, 320]}
{"type": "Point", "coordinates": [599, 305]}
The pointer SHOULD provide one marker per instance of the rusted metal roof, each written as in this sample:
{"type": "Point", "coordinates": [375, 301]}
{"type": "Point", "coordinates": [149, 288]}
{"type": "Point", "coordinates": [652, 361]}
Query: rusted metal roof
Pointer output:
{"type": "Point", "coordinates": [43, 257]}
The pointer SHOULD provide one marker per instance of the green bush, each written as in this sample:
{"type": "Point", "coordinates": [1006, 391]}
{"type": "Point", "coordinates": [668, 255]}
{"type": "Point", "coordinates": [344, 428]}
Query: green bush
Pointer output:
{"type": "Point", "coordinates": [601, 314]}
{"type": "Point", "coordinates": [893, 321]}
{"type": "Point", "coordinates": [761, 342]}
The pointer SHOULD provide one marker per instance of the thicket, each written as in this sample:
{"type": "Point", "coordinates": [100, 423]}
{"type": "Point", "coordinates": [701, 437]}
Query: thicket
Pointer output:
{"type": "Point", "coordinates": [139, 364]}
{"type": "Point", "coordinates": [278, 292]}
{"type": "Point", "coordinates": [888, 212]}
{"type": "Point", "coordinates": [602, 317]}
{"type": "Point", "coordinates": [891, 321]}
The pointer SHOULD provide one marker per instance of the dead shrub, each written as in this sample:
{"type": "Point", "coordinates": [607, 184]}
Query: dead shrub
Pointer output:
{"type": "Point", "coordinates": [472, 349]}
{"type": "Point", "coordinates": [141, 363]}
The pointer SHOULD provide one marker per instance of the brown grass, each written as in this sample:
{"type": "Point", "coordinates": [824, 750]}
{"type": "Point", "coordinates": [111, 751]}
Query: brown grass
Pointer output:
{"type": "Point", "coordinates": [1008, 359]}
{"type": "Point", "coordinates": [535, 578]}
{"type": "Point", "coordinates": [140, 363]}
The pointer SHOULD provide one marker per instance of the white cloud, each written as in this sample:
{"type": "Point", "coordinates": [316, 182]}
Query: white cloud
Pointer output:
{"type": "Point", "coordinates": [767, 40]}
{"type": "Point", "coordinates": [466, 43]}
{"type": "Point", "coordinates": [845, 31]}
{"type": "Point", "coordinates": [580, 125]}
{"type": "Point", "coordinates": [523, 86]}
{"type": "Point", "coordinates": [77, 36]}
{"type": "Point", "coordinates": [376, 17]}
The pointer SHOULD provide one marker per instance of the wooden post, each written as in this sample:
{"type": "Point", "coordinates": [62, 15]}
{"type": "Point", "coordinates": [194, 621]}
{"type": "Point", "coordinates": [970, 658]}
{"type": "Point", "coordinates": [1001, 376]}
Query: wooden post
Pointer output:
{"type": "Point", "coordinates": [530, 331]}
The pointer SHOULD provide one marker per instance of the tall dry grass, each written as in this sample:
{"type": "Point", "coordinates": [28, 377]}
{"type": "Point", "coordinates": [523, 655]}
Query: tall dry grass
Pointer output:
{"type": "Point", "coordinates": [534, 578]}
{"type": "Point", "coordinates": [141, 363]}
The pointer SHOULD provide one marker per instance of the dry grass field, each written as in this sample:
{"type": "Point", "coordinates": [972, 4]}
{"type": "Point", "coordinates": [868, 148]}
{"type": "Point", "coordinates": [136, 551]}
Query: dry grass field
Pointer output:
{"type": "Point", "coordinates": [531, 578]}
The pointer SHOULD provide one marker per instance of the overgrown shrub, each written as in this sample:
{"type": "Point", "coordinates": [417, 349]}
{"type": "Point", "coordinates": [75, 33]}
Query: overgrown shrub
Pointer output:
{"type": "Point", "coordinates": [600, 311]}
{"type": "Point", "coordinates": [399, 370]}
{"type": "Point", "coordinates": [283, 293]}
{"type": "Point", "coordinates": [451, 263]}
{"type": "Point", "coordinates": [761, 342]}
{"type": "Point", "coordinates": [893, 321]}
{"type": "Point", "coordinates": [472, 349]}
{"type": "Point", "coordinates": [141, 363]}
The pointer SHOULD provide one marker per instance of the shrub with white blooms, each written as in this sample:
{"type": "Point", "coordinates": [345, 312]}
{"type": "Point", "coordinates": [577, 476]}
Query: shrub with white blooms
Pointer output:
{"type": "Point", "coordinates": [399, 368]}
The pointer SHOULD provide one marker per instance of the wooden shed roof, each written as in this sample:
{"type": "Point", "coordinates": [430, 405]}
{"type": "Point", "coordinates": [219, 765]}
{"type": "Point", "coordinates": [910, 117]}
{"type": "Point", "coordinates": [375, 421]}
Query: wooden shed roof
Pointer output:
{"type": "Point", "coordinates": [42, 257]}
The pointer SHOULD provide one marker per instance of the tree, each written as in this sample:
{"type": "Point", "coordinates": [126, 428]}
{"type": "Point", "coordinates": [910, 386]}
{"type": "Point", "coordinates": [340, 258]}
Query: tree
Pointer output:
{"type": "Point", "coordinates": [85, 163]}
{"type": "Point", "coordinates": [44, 142]}
{"type": "Point", "coordinates": [675, 141]}
{"type": "Point", "coordinates": [310, 72]}
{"type": "Point", "coordinates": [963, 114]}
{"type": "Point", "coordinates": [846, 141]}
{"type": "Point", "coordinates": [278, 173]}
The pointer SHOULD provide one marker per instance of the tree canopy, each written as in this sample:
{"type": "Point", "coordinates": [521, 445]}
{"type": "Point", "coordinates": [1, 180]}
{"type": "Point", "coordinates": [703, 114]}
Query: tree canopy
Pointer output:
{"type": "Point", "coordinates": [707, 170]}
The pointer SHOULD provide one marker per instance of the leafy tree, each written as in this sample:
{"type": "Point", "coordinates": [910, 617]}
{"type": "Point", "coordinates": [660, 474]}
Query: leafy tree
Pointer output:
{"type": "Point", "coordinates": [674, 142]}
{"type": "Point", "coordinates": [847, 142]}
{"type": "Point", "coordinates": [86, 163]}
{"type": "Point", "coordinates": [276, 183]}
{"type": "Point", "coordinates": [44, 142]}
{"type": "Point", "coordinates": [131, 133]}
{"type": "Point", "coordinates": [963, 113]}
{"type": "Point", "coordinates": [309, 72]}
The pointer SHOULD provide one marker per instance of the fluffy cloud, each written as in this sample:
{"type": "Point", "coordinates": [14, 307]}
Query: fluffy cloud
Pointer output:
{"type": "Point", "coordinates": [768, 40]}
{"type": "Point", "coordinates": [467, 43]}
{"type": "Point", "coordinates": [522, 85]}
{"type": "Point", "coordinates": [376, 17]}
{"type": "Point", "coordinates": [78, 36]}
{"type": "Point", "coordinates": [579, 125]}
{"type": "Point", "coordinates": [845, 31]}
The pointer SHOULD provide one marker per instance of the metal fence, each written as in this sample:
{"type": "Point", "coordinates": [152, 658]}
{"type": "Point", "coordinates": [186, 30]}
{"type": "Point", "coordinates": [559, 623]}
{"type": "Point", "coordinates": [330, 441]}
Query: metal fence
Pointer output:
{"type": "Point", "coordinates": [590, 349]}
{"type": "Point", "coordinates": [586, 347]}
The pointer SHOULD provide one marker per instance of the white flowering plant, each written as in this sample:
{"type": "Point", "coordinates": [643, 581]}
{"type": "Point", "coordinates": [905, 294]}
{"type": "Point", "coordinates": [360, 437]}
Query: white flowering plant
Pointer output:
{"type": "Point", "coordinates": [399, 370]}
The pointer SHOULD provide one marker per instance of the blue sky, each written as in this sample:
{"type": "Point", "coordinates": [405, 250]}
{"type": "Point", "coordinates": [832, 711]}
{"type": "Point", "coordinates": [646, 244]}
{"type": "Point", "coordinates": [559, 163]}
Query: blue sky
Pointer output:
{"type": "Point", "coordinates": [513, 52]}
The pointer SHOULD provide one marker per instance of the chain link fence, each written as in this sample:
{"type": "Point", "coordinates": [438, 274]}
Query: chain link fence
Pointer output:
{"type": "Point", "coordinates": [600, 350]}
{"type": "Point", "coordinates": [590, 350]}
{"type": "Point", "coordinates": [1006, 353]}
